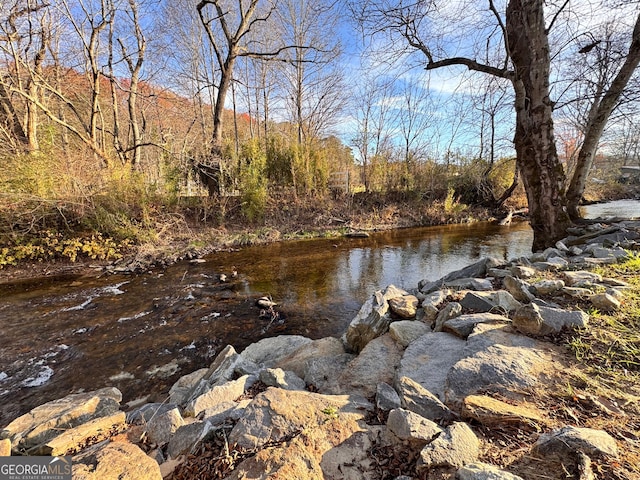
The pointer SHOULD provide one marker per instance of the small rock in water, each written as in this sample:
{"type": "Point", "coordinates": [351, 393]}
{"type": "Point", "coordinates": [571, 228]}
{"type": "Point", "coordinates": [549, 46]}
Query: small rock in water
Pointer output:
{"type": "Point", "coordinates": [265, 302]}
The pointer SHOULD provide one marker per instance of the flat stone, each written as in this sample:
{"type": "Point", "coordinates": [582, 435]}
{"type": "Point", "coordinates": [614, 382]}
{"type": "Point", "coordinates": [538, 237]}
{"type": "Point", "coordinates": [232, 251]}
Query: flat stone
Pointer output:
{"type": "Point", "coordinates": [113, 460]}
{"type": "Point", "coordinates": [269, 351]}
{"type": "Point", "coordinates": [478, 284]}
{"type": "Point", "coordinates": [376, 363]}
{"type": "Point", "coordinates": [323, 373]}
{"type": "Point", "coordinates": [569, 440]}
{"type": "Point", "coordinates": [520, 271]}
{"type": "Point", "coordinates": [46, 421]}
{"type": "Point", "coordinates": [463, 325]}
{"type": "Point", "coordinates": [297, 361]}
{"type": "Point", "coordinates": [477, 303]}
{"type": "Point", "coordinates": [484, 471]}
{"type": "Point", "coordinates": [576, 292]}
{"type": "Point", "coordinates": [533, 319]}
{"type": "Point", "coordinates": [224, 412]}
{"type": "Point", "coordinates": [428, 360]}
{"type": "Point", "coordinates": [276, 414]}
{"type": "Point", "coordinates": [410, 426]}
{"type": "Point", "coordinates": [581, 278]}
{"type": "Point", "coordinates": [491, 412]}
{"type": "Point", "coordinates": [406, 331]}
{"type": "Point", "coordinates": [416, 398]}
{"type": "Point", "coordinates": [227, 392]}
{"type": "Point", "coordinates": [144, 414]}
{"type": "Point", "coordinates": [475, 270]}
{"type": "Point", "coordinates": [455, 447]}
{"type": "Point", "coordinates": [75, 439]}
{"type": "Point", "coordinates": [187, 437]}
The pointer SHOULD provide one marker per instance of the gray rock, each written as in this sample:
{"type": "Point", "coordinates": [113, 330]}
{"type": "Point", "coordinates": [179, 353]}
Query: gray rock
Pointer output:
{"type": "Point", "coordinates": [161, 427]}
{"type": "Point", "coordinates": [569, 440]}
{"type": "Point", "coordinates": [406, 331]}
{"type": "Point", "coordinates": [498, 368]}
{"type": "Point", "coordinates": [113, 460]}
{"type": "Point", "coordinates": [477, 303]}
{"type": "Point", "coordinates": [416, 398]}
{"type": "Point", "coordinates": [276, 414]}
{"type": "Point", "coordinates": [46, 421]}
{"type": "Point", "coordinates": [475, 270]}
{"type": "Point", "coordinates": [179, 392]}
{"type": "Point", "coordinates": [393, 292]}
{"type": "Point", "coordinates": [477, 284]}
{"type": "Point", "coordinates": [463, 325]}
{"type": "Point", "coordinates": [484, 471]}
{"type": "Point", "coordinates": [548, 287]}
{"type": "Point", "coordinates": [376, 363]}
{"type": "Point", "coordinates": [518, 288]}
{"type": "Point", "coordinates": [227, 392]}
{"type": "Point", "coordinates": [581, 278]}
{"type": "Point", "coordinates": [269, 351]}
{"type": "Point", "coordinates": [605, 302]}
{"type": "Point", "coordinates": [297, 361]}
{"type": "Point", "coordinates": [456, 447]}
{"type": "Point", "coordinates": [370, 322]}
{"type": "Point", "coordinates": [276, 377]}
{"type": "Point", "coordinates": [428, 360]}
{"type": "Point", "coordinates": [576, 292]}
{"type": "Point", "coordinates": [387, 398]}
{"type": "Point", "coordinates": [452, 310]}
{"type": "Point", "coordinates": [143, 414]}
{"type": "Point", "coordinates": [498, 272]}
{"type": "Point", "coordinates": [540, 320]}
{"type": "Point", "coordinates": [404, 306]}
{"type": "Point", "coordinates": [224, 412]}
{"type": "Point", "coordinates": [412, 427]}
{"type": "Point", "coordinates": [75, 439]}
{"type": "Point", "coordinates": [187, 437]}
{"type": "Point", "coordinates": [521, 271]}
{"type": "Point", "coordinates": [323, 372]}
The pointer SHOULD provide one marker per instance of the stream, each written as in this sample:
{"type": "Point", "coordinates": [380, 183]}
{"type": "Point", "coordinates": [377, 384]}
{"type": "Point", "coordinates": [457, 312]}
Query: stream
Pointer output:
{"type": "Point", "coordinates": [141, 332]}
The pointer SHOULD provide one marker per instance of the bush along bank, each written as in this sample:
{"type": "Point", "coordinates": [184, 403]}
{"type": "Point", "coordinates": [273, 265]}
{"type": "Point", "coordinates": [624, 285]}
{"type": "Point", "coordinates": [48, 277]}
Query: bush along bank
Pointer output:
{"type": "Point", "coordinates": [465, 377]}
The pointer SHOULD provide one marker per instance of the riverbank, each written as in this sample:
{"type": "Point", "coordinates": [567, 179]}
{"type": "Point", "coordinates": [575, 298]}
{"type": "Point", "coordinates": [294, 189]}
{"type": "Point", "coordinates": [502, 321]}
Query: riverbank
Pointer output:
{"type": "Point", "coordinates": [522, 369]}
{"type": "Point", "coordinates": [212, 225]}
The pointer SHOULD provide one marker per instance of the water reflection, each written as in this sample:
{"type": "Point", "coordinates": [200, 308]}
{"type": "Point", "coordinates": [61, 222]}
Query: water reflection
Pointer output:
{"type": "Point", "coordinates": [140, 333]}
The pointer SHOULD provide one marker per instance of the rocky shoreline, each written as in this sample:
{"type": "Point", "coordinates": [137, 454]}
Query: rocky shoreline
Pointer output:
{"type": "Point", "coordinates": [415, 388]}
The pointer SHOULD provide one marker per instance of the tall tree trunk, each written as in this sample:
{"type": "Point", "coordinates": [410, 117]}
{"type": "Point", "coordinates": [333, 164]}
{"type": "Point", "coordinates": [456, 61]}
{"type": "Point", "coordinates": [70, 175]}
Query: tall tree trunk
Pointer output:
{"type": "Point", "coordinates": [598, 117]}
{"type": "Point", "coordinates": [226, 77]}
{"type": "Point", "coordinates": [538, 162]}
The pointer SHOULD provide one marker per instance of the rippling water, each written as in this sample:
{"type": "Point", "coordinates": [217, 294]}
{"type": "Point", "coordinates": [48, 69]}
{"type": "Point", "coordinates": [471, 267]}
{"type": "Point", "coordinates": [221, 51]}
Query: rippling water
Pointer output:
{"type": "Point", "coordinates": [140, 333]}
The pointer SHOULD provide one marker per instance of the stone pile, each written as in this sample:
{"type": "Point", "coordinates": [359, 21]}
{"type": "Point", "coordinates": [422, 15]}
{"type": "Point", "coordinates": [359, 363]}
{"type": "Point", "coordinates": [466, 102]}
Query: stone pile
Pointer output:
{"type": "Point", "coordinates": [435, 364]}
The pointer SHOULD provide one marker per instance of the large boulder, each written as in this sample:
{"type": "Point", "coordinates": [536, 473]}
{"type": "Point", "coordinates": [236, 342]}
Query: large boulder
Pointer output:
{"type": "Point", "coordinates": [45, 422]}
{"type": "Point", "coordinates": [115, 461]}
{"type": "Point", "coordinates": [376, 363]}
{"type": "Point", "coordinates": [298, 360]}
{"type": "Point", "coordinates": [428, 360]}
{"type": "Point", "coordinates": [227, 392]}
{"type": "Point", "coordinates": [457, 446]}
{"type": "Point", "coordinates": [270, 351]}
{"type": "Point", "coordinates": [277, 414]}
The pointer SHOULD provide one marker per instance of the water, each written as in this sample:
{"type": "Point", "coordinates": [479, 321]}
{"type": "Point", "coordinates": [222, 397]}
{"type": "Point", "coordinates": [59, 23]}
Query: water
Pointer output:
{"type": "Point", "coordinates": [140, 333]}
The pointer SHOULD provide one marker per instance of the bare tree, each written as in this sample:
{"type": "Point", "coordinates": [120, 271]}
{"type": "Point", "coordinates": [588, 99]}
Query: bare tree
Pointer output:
{"type": "Point", "coordinates": [25, 35]}
{"type": "Point", "coordinates": [521, 33]}
{"type": "Point", "coordinates": [610, 67]}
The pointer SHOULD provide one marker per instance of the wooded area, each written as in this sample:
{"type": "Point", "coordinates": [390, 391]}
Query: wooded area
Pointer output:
{"type": "Point", "coordinates": [110, 105]}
